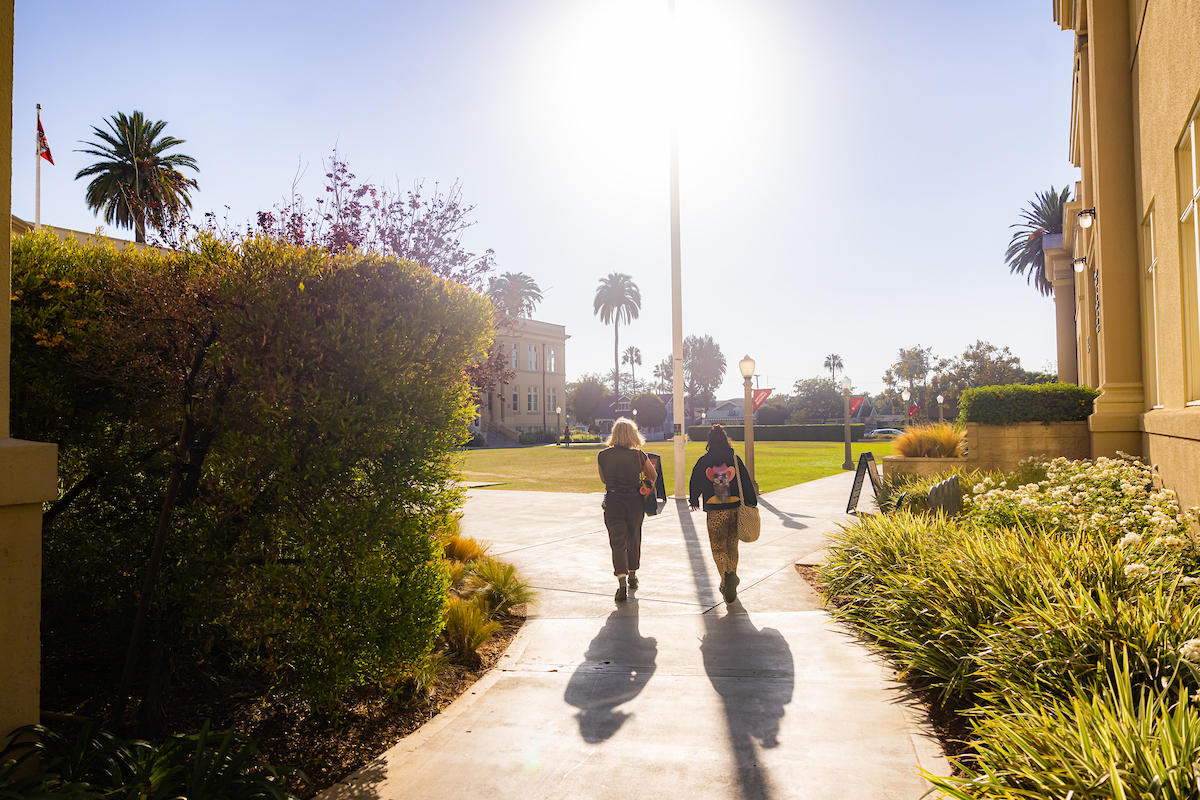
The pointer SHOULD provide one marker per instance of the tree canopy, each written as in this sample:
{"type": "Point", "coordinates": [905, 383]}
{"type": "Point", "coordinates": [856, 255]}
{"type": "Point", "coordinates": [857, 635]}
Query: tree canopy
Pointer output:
{"type": "Point", "coordinates": [618, 299]}
{"type": "Point", "coordinates": [1043, 218]}
{"type": "Point", "coordinates": [703, 370]}
{"type": "Point", "coordinates": [136, 181]}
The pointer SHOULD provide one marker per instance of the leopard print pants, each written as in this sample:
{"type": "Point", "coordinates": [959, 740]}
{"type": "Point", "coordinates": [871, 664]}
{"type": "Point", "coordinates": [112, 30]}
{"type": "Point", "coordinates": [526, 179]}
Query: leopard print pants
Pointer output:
{"type": "Point", "coordinates": [722, 537]}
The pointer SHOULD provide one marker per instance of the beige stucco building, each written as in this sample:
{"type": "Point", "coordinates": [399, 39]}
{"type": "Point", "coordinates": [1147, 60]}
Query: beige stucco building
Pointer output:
{"type": "Point", "coordinates": [28, 478]}
{"type": "Point", "coordinates": [1126, 285]}
{"type": "Point", "coordinates": [536, 353]}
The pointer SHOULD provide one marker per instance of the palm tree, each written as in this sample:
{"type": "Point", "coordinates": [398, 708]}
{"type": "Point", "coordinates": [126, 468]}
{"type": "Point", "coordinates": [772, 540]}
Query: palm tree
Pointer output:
{"type": "Point", "coordinates": [1042, 218]}
{"type": "Point", "coordinates": [617, 298]}
{"type": "Point", "coordinates": [631, 356]}
{"type": "Point", "coordinates": [664, 373]}
{"type": "Point", "coordinates": [515, 293]}
{"type": "Point", "coordinates": [833, 363]}
{"type": "Point", "coordinates": [135, 182]}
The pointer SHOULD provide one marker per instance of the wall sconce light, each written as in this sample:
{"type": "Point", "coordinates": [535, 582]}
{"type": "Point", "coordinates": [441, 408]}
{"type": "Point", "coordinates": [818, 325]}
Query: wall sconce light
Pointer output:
{"type": "Point", "coordinates": [1079, 264]}
{"type": "Point", "coordinates": [1086, 217]}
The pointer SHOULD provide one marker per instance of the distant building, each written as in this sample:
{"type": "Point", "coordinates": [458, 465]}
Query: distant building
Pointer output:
{"type": "Point", "coordinates": [530, 402]}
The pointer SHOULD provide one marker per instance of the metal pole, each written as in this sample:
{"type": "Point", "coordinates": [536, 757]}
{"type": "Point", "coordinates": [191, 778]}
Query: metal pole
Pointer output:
{"type": "Point", "coordinates": [37, 193]}
{"type": "Point", "coordinates": [748, 426]}
{"type": "Point", "coordinates": [676, 277]}
{"type": "Point", "coordinates": [847, 464]}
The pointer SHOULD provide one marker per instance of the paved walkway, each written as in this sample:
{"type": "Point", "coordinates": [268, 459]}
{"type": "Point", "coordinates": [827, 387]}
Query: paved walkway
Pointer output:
{"type": "Point", "coordinates": [672, 694]}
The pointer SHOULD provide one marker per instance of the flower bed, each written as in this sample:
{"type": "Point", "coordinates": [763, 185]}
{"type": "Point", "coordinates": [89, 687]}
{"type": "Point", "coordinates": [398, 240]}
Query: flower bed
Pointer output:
{"type": "Point", "coordinates": [1061, 607]}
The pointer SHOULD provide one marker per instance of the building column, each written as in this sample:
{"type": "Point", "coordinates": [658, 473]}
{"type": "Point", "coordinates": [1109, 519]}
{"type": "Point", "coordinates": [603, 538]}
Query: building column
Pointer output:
{"type": "Point", "coordinates": [1060, 274]}
{"type": "Point", "coordinates": [1116, 422]}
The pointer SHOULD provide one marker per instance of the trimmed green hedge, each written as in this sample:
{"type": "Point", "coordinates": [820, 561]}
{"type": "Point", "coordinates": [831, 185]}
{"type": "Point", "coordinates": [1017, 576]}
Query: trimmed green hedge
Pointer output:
{"type": "Point", "coordinates": [785, 433]}
{"type": "Point", "coordinates": [1043, 402]}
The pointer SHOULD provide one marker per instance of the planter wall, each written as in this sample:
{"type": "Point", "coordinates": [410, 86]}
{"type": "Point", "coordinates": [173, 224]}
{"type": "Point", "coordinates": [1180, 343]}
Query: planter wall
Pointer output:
{"type": "Point", "coordinates": [1003, 447]}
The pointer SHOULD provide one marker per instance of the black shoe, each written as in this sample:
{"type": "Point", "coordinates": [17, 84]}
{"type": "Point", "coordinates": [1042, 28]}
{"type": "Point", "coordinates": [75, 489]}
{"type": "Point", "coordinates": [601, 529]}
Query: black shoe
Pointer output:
{"type": "Point", "coordinates": [729, 587]}
{"type": "Point", "coordinates": [633, 582]}
{"type": "Point", "coordinates": [621, 593]}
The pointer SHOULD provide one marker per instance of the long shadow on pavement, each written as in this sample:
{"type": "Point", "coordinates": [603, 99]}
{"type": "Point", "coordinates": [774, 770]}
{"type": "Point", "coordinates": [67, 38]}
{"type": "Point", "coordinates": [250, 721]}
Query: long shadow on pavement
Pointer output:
{"type": "Point", "coordinates": [618, 664]}
{"type": "Point", "coordinates": [753, 671]}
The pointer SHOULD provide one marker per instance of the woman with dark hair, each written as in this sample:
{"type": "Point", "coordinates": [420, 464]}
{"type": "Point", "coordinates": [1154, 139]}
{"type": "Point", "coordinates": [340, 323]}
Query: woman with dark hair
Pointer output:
{"type": "Point", "coordinates": [716, 477]}
{"type": "Point", "coordinates": [621, 467]}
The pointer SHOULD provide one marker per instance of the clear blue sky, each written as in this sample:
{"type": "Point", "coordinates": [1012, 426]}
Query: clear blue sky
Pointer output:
{"type": "Point", "coordinates": [849, 171]}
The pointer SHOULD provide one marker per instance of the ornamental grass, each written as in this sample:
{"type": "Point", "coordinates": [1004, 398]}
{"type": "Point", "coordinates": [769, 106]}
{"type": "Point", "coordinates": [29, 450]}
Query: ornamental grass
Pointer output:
{"type": "Point", "coordinates": [1064, 602]}
{"type": "Point", "coordinates": [941, 440]}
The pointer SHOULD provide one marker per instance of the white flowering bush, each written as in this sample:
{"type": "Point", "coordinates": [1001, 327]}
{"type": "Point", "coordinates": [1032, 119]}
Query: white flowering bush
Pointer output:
{"type": "Point", "coordinates": [1111, 497]}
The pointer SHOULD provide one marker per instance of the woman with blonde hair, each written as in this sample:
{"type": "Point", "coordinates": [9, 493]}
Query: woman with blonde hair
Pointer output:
{"type": "Point", "coordinates": [621, 466]}
{"type": "Point", "coordinates": [723, 481]}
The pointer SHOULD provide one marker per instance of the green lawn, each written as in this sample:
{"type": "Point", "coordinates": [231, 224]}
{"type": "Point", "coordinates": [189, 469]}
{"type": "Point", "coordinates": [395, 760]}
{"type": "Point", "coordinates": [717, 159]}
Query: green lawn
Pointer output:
{"type": "Point", "coordinates": [573, 469]}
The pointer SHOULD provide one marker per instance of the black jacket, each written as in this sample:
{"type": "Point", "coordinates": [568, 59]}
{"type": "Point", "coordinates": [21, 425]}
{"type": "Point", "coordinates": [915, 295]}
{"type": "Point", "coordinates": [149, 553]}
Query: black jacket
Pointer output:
{"type": "Point", "coordinates": [723, 492]}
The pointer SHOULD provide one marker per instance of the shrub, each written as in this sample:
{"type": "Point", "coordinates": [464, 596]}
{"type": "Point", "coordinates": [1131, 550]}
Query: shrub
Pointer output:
{"type": "Point", "coordinates": [1118, 741]}
{"type": "Point", "coordinates": [477, 440]}
{"type": "Point", "coordinates": [468, 627]}
{"type": "Point", "coordinates": [464, 549]}
{"type": "Point", "coordinates": [930, 441]}
{"type": "Point", "coordinates": [498, 585]}
{"type": "Point", "coordinates": [206, 766]}
{"type": "Point", "coordinates": [320, 398]}
{"type": "Point", "coordinates": [784, 433]}
{"type": "Point", "coordinates": [1044, 402]}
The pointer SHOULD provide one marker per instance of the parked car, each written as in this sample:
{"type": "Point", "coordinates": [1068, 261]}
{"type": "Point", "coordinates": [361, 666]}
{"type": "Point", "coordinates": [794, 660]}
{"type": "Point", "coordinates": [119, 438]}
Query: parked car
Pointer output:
{"type": "Point", "coordinates": [882, 432]}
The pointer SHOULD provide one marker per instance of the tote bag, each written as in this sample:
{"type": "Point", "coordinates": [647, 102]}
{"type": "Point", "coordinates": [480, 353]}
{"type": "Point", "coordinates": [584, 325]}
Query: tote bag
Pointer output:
{"type": "Point", "coordinates": [748, 523]}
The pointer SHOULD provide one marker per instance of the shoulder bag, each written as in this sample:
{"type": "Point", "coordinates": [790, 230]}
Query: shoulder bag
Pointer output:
{"type": "Point", "coordinates": [646, 487]}
{"type": "Point", "coordinates": [748, 523]}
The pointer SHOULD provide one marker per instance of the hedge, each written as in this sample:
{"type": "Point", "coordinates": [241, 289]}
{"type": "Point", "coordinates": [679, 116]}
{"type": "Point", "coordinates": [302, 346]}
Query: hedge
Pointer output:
{"type": "Point", "coordinates": [1043, 402]}
{"type": "Point", "coordinates": [785, 433]}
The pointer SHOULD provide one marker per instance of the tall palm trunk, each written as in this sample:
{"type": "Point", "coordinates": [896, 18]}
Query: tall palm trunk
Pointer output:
{"type": "Point", "coordinates": [616, 360]}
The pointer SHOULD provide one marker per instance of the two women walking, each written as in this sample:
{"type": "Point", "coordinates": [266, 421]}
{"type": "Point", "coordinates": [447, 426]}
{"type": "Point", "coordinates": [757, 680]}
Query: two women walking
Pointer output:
{"type": "Point", "coordinates": [719, 479]}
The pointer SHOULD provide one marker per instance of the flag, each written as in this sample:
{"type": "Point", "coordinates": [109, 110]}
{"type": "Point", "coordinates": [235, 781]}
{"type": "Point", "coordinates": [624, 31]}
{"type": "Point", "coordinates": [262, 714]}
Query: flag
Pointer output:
{"type": "Point", "coordinates": [912, 410]}
{"type": "Point", "coordinates": [855, 404]}
{"type": "Point", "coordinates": [43, 147]}
{"type": "Point", "coordinates": [759, 396]}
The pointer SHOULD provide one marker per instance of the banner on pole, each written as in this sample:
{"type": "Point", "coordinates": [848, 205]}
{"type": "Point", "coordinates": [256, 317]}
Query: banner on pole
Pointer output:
{"type": "Point", "coordinates": [43, 147]}
{"type": "Point", "coordinates": [855, 404]}
{"type": "Point", "coordinates": [759, 397]}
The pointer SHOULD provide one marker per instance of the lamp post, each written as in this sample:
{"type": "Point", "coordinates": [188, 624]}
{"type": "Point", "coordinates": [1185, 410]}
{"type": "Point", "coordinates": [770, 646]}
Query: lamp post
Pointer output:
{"type": "Point", "coordinates": [846, 384]}
{"type": "Point", "coordinates": [746, 366]}
{"type": "Point", "coordinates": [907, 414]}
{"type": "Point", "coordinates": [941, 399]}
{"type": "Point", "coordinates": [558, 410]}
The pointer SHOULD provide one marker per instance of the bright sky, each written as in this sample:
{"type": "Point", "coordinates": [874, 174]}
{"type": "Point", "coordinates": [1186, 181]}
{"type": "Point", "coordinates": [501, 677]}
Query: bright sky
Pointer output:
{"type": "Point", "coordinates": [849, 171]}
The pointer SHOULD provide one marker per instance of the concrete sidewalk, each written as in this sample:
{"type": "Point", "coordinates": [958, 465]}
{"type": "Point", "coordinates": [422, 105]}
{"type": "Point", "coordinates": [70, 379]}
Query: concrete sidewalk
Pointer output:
{"type": "Point", "coordinates": [672, 693]}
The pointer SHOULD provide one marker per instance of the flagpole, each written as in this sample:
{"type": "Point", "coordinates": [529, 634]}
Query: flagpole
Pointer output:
{"type": "Point", "coordinates": [37, 156]}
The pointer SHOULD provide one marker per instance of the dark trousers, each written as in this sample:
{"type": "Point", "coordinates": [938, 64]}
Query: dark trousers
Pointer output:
{"type": "Point", "coordinates": [623, 513]}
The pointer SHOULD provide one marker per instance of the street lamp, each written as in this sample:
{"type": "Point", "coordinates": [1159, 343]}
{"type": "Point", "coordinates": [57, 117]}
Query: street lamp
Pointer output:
{"type": "Point", "coordinates": [907, 414]}
{"type": "Point", "coordinates": [941, 399]}
{"type": "Point", "coordinates": [558, 410]}
{"type": "Point", "coordinates": [746, 367]}
{"type": "Point", "coordinates": [846, 384]}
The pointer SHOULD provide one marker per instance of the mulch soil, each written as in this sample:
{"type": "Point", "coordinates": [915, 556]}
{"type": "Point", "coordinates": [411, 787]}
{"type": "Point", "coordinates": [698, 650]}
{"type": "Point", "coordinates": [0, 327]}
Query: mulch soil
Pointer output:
{"type": "Point", "coordinates": [78, 684]}
{"type": "Point", "coordinates": [945, 718]}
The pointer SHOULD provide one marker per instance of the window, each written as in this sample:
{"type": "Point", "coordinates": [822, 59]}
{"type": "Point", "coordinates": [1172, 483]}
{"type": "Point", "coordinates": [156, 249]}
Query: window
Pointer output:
{"type": "Point", "coordinates": [1150, 315]}
{"type": "Point", "coordinates": [515, 365]}
{"type": "Point", "coordinates": [531, 360]}
{"type": "Point", "coordinates": [531, 399]}
{"type": "Point", "coordinates": [1189, 235]}
{"type": "Point", "coordinates": [516, 407]}
{"type": "Point", "coordinates": [551, 398]}
{"type": "Point", "coordinates": [552, 360]}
